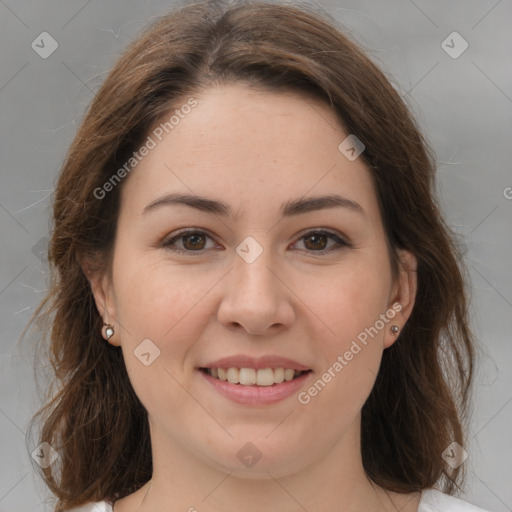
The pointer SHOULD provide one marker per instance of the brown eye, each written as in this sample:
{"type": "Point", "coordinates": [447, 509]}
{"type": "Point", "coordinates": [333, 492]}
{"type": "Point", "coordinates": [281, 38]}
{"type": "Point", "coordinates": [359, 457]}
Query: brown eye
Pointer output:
{"type": "Point", "coordinates": [187, 241]}
{"type": "Point", "coordinates": [193, 242]}
{"type": "Point", "coordinates": [317, 241]}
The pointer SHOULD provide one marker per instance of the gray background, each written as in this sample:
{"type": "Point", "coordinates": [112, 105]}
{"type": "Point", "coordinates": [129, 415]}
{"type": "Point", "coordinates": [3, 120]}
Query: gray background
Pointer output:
{"type": "Point", "coordinates": [464, 105]}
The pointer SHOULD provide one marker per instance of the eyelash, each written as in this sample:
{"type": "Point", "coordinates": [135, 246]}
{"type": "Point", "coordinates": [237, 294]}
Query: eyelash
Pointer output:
{"type": "Point", "coordinates": [169, 242]}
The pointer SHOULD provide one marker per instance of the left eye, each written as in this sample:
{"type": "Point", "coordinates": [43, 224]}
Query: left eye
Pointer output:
{"type": "Point", "coordinates": [195, 241]}
{"type": "Point", "coordinates": [319, 240]}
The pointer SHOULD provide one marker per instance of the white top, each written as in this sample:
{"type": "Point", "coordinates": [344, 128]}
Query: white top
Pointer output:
{"type": "Point", "coordinates": [431, 500]}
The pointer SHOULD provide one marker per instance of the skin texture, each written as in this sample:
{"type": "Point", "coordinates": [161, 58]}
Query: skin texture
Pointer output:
{"type": "Point", "coordinates": [253, 150]}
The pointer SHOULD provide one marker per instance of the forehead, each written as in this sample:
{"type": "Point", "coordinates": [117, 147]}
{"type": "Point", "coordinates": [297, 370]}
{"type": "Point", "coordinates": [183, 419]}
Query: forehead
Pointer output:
{"type": "Point", "coordinates": [241, 144]}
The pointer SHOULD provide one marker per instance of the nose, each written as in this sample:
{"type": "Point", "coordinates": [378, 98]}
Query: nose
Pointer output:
{"type": "Point", "coordinates": [255, 297]}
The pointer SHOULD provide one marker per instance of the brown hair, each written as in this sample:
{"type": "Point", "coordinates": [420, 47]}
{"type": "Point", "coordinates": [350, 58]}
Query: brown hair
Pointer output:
{"type": "Point", "coordinates": [420, 399]}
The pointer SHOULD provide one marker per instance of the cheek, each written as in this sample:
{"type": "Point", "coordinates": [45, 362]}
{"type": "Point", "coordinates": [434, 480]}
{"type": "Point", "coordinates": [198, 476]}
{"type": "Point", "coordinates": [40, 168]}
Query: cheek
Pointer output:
{"type": "Point", "coordinates": [162, 314]}
{"type": "Point", "coordinates": [350, 302]}
{"type": "Point", "coordinates": [350, 305]}
{"type": "Point", "coordinates": [160, 311]}
{"type": "Point", "coordinates": [351, 355]}
{"type": "Point", "coordinates": [153, 298]}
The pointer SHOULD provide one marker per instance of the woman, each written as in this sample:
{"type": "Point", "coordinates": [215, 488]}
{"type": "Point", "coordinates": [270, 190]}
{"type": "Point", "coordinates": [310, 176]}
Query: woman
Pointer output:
{"type": "Point", "coordinates": [256, 303]}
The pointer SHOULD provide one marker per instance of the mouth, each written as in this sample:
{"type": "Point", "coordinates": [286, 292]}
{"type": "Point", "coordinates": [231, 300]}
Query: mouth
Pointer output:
{"type": "Point", "coordinates": [256, 387]}
{"type": "Point", "coordinates": [262, 377]}
{"type": "Point", "coordinates": [255, 381]}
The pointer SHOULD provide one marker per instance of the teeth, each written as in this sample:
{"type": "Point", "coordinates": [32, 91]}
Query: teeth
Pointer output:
{"type": "Point", "coordinates": [288, 374]}
{"type": "Point", "coordinates": [251, 377]}
{"type": "Point", "coordinates": [265, 377]}
{"type": "Point", "coordinates": [247, 376]}
{"type": "Point", "coordinates": [233, 375]}
{"type": "Point", "coordinates": [278, 375]}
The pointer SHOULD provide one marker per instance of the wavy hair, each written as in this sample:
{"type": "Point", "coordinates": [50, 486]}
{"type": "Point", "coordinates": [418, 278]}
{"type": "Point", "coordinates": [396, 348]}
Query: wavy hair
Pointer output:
{"type": "Point", "coordinates": [91, 414]}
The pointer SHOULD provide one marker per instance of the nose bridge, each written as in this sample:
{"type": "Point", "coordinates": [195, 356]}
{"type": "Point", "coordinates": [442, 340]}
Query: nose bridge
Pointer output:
{"type": "Point", "coordinates": [250, 250]}
{"type": "Point", "coordinates": [252, 265]}
{"type": "Point", "coordinates": [254, 298]}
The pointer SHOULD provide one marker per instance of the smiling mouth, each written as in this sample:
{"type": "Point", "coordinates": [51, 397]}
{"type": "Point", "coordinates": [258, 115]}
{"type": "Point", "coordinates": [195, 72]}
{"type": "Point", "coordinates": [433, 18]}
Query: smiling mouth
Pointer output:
{"type": "Point", "coordinates": [253, 377]}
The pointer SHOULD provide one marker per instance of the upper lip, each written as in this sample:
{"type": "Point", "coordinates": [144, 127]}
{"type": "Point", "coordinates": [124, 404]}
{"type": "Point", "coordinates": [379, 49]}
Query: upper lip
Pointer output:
{"type": "Point", "coordinates": [258, 363]}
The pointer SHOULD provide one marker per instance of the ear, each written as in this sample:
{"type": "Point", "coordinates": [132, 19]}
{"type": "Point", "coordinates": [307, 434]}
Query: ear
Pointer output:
{"type": "Point", "coordinates": [403, 295]}
{"type": "Point", "coordinates": [102, 290]}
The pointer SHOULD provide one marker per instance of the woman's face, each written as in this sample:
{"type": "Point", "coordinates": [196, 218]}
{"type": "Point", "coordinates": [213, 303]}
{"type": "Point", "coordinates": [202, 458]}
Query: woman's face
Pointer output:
{"type": "Point", "coordinates": [270, 279]}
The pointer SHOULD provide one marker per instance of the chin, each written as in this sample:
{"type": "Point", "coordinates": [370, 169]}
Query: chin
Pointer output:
{"type": "Point", "coordinates": [258, 457]}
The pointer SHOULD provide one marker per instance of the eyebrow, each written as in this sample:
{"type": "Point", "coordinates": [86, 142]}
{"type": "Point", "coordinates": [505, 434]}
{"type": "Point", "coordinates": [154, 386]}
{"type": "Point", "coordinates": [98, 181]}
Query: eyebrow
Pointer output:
{"type": "Point", "coordinates": [291, 208]}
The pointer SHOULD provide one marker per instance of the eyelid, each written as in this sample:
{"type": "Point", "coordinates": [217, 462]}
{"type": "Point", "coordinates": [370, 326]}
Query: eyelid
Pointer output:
{"type": "Point", "coordinates": [324, 231]}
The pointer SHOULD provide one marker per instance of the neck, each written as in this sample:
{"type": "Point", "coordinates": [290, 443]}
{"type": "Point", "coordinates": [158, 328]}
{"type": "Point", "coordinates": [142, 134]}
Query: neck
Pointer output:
{"type": "Point", "coordinates": [336, 481]}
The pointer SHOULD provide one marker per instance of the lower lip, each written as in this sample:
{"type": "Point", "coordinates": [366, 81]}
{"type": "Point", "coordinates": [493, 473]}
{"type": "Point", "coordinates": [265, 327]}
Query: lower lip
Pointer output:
{"type": "Point", "coordinates": [256, 395]}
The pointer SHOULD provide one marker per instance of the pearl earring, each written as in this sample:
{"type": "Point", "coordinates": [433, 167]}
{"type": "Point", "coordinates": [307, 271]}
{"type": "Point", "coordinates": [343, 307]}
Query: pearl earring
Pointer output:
{"type": "Point", "coordinates": [107, 331]}
{"type": "Point", "coordinates": [394, 329]}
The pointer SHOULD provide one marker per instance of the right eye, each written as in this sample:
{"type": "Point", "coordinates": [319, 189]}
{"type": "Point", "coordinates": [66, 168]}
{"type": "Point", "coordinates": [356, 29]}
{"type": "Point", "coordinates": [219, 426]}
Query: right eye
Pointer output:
{"type": "Point", "coordinates": [187, 241]}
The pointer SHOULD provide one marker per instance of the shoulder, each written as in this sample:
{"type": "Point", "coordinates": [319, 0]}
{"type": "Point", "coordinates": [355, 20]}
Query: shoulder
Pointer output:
{"type": "Point", "coordinates": [433, 500]}
{"type": "Point", "coordinates": [99, 506]}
